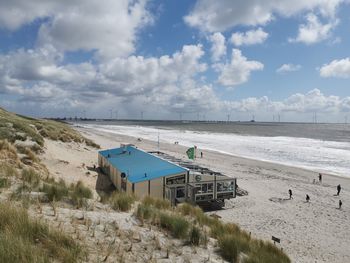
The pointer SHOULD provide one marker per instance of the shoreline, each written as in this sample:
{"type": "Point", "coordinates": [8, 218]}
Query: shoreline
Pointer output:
{"type": "Point", "coordinates": [309, 232]}
{"type": "Point", "coordinates": [248, 159]}
{"type": "Point", "coordinates": [277, 153]}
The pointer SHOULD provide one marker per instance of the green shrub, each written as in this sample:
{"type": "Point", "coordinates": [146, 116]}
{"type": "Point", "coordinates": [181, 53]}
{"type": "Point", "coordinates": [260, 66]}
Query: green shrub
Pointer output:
{"type": "Point", "coordinates": [196, 212]}
{"type": "Point", "coordinates": [79, 193]}
{"type": "Point", "coordinates": [144, 212]}
{"type": "Point", "coordinates": [4, 183]}
{"type": "Point", "coordinates": [195, 236]}
{"type": "Point", "coordinates": [228, 248]}
{"type": "Point", "coordinates": [121, 201]}
{"type": "Point", "coordinates": [23, 240]}
{"type": "Point", "coordinates": [80, 190]}
{"type": "Point", "coordinates": [177, 225]}
{"type": "Point", "coordinates": [55, 192]}
{"type": "Point", "coordinates": [156, 202]}
{"type": "Point", "coordinates": [180, 227]}
{"type": "Point", "coordinates": [262, 252]}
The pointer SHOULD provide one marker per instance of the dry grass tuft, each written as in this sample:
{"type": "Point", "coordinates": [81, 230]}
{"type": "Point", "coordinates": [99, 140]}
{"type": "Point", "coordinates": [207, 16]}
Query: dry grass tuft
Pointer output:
{"type": "Point", "coordinates": [27, 241]}
{"type": "Point", "coordinates": [121, 201]}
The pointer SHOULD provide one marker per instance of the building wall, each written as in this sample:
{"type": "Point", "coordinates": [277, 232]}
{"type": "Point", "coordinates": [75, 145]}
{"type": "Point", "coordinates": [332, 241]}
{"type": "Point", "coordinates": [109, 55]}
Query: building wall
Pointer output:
{"type": "Point", "coordinates": [157, 188]}
{"type": "Point", "coordinates": [141, 189]}
{"type": "Point", "coordinates": [205, 177]}
{"type": "Point", "coordinates": [129, 188]}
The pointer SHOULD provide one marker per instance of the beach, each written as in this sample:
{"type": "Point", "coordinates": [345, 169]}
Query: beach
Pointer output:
{"type": "Point", "coordinates": [309, 232]}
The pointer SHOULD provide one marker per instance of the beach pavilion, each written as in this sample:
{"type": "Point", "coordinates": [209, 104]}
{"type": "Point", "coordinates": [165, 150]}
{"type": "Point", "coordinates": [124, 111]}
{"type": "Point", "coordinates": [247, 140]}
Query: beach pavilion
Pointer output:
{"type": "Point", "coordinates": [137, 172]}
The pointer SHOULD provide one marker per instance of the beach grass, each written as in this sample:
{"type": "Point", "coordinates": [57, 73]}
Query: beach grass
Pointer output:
{"type": "Point", "coordinates": [30, 177]}
{"type": "Point", "coordinates": [177, 225]}
{"type": "Point", "coordinates": [17, 127]}
{"type": "Point", "coordinates": [7, 170]}
{"type": "Point", "coordinates": [121, 201]}
{"type": "Point", "coordinates": [156, 202]}
{"type": "Point", "coordinates": [195, 236]}
{"type": "Point", "coordinates": [55, 192]}
{"type": "Point", "coordinates": [29, 241]}
{"type": "Point", "coordinates": [184, 221]}
{"type": "Point", "coordinates": [79, 193]}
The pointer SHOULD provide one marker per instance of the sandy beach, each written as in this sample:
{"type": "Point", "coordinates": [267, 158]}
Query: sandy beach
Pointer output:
{"type": "Point", "coordinates": [310, 232]}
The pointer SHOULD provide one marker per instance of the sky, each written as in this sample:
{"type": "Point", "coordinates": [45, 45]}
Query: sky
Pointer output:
{"type": "Point", "coordinates": [199, 60]}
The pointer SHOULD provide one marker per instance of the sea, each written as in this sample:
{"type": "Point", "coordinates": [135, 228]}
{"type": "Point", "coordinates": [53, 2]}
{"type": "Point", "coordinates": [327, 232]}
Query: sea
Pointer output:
{"type": "Point", "coordinates": [323, 148]}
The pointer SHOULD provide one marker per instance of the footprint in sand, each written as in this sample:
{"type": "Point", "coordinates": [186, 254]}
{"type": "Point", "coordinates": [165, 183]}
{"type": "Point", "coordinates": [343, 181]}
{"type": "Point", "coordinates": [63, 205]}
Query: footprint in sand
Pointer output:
{"type": "Point", "coordinates": [278, 199]}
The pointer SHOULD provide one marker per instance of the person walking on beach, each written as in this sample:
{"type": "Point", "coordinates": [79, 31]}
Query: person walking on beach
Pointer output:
{"type": "Point", "coordinates": [201, 154]}
{"type": "Point", "coordinates": [290, 194]}
{"type": "Point", "coordinates": [307, 198]}
{"type": "Point", "coordinates": [340, 204]}
{"type": "Point", "coordinates": [320, 178]}
{"type": "Point", "coordinates": [338, 189]}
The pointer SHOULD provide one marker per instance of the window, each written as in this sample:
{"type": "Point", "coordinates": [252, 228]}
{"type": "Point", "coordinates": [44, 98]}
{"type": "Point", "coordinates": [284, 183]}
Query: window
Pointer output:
{"type": "Point", "coordinates": [180, 192]}
{"type": "Point", "coordinates": [225, 186]}
{"type": "Point", "coordinates": [180, 179]}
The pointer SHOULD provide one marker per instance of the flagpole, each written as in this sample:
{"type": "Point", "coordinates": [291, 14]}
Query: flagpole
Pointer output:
{"type": "Point", "coordinates": [158, 140]}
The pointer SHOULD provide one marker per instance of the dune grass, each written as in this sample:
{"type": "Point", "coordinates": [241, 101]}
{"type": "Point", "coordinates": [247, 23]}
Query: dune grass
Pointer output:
{"type": "Point", "coordinates": [30, 177]}
{"type": "Point", "coordinates": [28, 241]}
{"type": "Point", "coordinates": [121, 201]}
{"type": "Point", "coordinates": [177, 225]}
{"type": "Point", "coordinates": [7, 170]}
{"type": "Point", "coordinates": [17, 127]}
{"type": "Point", "coordinates": [79, 193]}
{"type": "Point", "coordinates": [190, 223]}
{"type": "Point", "coordinates": [4, 182]}
{"type": "Point", "coordinates": [156, 202]}
{"type": "Point", "coordinates": [57, 191]}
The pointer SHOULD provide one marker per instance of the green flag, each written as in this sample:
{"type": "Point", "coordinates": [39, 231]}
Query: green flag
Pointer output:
{"type": "Point", "coordinates": [190, 153]}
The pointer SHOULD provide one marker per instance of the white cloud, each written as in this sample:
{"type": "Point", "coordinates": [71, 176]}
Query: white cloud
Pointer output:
{"type": "Point", "coordinates": [250, 37]}
{"type": "Point", "coordinates": [238, 70]}
{"type": "Point", "coordinates": [108, 27]}
{"type": "Point", "coordinates": [222, 15]}
{"type": "Point", "coordinates": [38, 76]}
{"type": "Point", "coordinates": [312, 101]}
{"type": "Point", "coordinates": [15, 13]}
{"type": "Point", "coordinates": [314, 31]}
{"type": "Point", "coordinates": [337, 68]}
{"type": "Point", "coordinates": [288, 68]}
{"type": "Point", "coordinates": [218, 48]}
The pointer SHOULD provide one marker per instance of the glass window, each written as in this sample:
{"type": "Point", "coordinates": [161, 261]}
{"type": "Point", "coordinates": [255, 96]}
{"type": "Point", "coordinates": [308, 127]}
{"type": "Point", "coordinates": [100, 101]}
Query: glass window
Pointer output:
{"type": "Point", "coordinates": [181, 179]}
{"type": "Point", "coordinates": [225, 186]}
{"type": "Point", "coordinates": [180, 192]}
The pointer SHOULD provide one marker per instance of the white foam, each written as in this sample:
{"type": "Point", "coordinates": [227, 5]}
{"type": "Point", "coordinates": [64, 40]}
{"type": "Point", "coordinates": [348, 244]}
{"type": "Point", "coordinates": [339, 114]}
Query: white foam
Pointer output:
{"type": "Point", "coordinates": [321, 156]}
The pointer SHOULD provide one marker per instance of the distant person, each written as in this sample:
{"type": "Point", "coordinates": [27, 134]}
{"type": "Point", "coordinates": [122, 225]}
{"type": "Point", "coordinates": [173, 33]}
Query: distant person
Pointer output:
{"type": "Point", "coordinates": [307, 198]}
{"type": "Point", "coordinates": [338, 189]}
{"type": "Point", "coordinates": [201, 154]}
{"type": "Point", "coordinates": [290, 194]}
{"type": "Point", "coordinates": [320, 178]}
{"type": "Point", "coordinates": [340, 204]}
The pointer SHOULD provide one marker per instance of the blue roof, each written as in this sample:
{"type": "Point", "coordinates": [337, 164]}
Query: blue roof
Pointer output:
{"type": "Point", "coordinates": [136, 163]}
